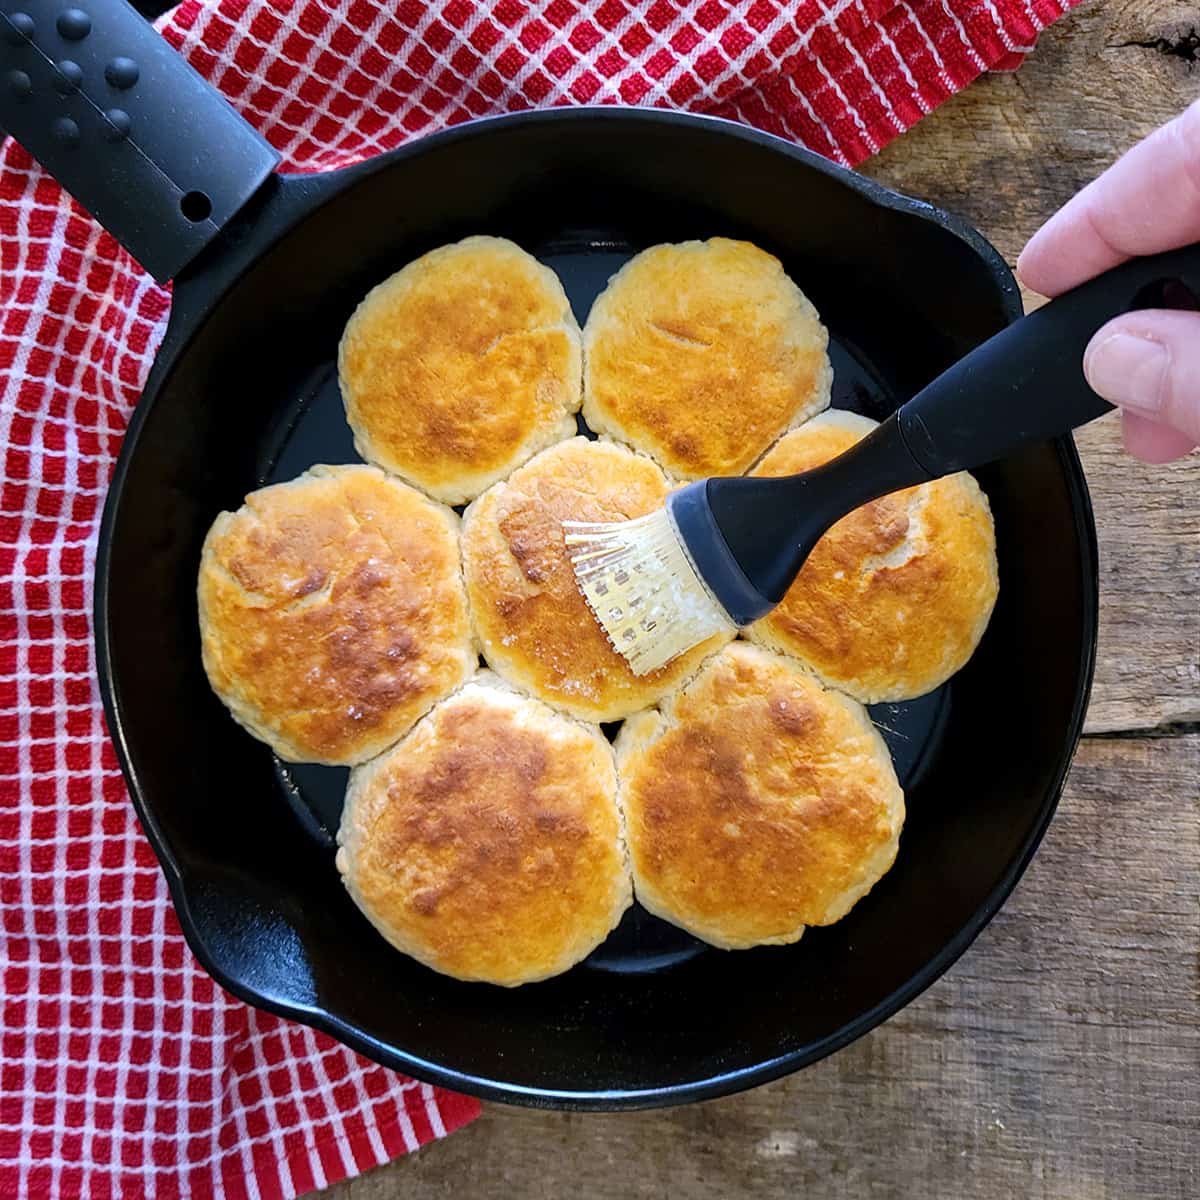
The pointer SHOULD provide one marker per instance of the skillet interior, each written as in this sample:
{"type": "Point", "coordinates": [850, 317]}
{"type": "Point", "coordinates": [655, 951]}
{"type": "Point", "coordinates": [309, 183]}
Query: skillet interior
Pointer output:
{"type": "Point", "coordinates": [652, 1017]}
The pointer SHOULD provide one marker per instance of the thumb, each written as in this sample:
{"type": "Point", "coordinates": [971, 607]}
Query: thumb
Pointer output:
{"type": "Point", "coordinates": [1148, 363]}
{"type": "Point", "coordinates": [1151, 442]}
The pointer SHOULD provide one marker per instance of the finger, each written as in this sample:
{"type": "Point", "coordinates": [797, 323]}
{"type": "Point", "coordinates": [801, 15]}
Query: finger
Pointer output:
{"type": "Point", "coordinates": [1152, 442]}
{"type": "Point", "coordinates": [1148, 200]}
{"type": "Point", "coordinates": [1149, 363]}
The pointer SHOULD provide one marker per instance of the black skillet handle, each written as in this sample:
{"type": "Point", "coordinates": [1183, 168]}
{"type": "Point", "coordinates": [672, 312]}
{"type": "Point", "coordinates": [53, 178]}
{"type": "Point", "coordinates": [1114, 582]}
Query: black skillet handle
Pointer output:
{"type": "Point", "coordinates": [1026, 384]}
{"type": "Point", "coordinates": [126, 126]}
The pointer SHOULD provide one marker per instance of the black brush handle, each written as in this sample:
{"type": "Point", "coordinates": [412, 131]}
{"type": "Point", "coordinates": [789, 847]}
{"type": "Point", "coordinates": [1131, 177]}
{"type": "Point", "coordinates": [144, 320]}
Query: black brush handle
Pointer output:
{"type": "Point", "coordinates": [1020, 387]}
{"type": "Point", "coordinates": [1026, 384]}
{"type": "Point", "coordinates": [157, 156]}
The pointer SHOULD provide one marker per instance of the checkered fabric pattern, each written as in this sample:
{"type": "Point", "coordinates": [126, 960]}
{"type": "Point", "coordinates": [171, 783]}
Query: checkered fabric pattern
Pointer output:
{"type": "Point", "coordinates": [124, 1070]}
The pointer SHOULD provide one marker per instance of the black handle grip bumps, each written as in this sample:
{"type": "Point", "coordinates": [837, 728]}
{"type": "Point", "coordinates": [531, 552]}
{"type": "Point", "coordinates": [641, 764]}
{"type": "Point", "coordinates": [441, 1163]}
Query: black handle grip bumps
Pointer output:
{"type": "Point", "coordinates": [126, 126]}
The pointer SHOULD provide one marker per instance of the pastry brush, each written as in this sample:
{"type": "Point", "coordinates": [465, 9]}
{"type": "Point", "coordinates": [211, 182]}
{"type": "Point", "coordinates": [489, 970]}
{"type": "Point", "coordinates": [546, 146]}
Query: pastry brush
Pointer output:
{"type": "Point", "coordinates": [722, 552]}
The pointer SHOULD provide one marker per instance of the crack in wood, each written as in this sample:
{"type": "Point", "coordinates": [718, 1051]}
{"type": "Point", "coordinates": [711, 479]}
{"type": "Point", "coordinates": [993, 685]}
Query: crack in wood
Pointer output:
{"type": "Point", "coordinates": [1184, 45]}
{"type": "Point", "coordinates": [1167, 729]}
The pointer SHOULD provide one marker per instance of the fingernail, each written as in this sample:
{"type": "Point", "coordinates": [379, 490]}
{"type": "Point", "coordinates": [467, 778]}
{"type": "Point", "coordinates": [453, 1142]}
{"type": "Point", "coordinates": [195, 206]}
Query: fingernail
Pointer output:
{"type": "Point", "coordinates": [1128, 370]}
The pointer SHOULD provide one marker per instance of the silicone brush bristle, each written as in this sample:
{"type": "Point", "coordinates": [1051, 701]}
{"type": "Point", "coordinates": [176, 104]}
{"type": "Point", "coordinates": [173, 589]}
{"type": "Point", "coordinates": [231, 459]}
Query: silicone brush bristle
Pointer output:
{"type": "Point", "coordinates": [639, 582]}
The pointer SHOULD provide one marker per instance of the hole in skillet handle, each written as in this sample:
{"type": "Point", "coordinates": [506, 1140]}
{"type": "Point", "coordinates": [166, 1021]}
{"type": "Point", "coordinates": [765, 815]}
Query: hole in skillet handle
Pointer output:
{"type": "Point", "coordinates": [1166, 293]}
{"type": "Point", "coordinates": [196, 206]}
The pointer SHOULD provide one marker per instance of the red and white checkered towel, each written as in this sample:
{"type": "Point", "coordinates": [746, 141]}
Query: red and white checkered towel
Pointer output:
{"type": "Point", "coordinates": [124, 1070]}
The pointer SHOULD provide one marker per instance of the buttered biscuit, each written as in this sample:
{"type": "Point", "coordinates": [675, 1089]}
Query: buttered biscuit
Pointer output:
{"type": "Point", "coordinates": [701, 354]}
{"type": "Point", "coordinates": [488, 843]}
{"type": "Point", "coordinates": [531, 619]}
{"type": "Point", "coordinates": [756, 803]}
{"type": "Point", "coordinates": [332, 612]}
{"type": "Point", "coordinates": [460, 366]}
{"type": "Point", "coordinates": [896, 596]}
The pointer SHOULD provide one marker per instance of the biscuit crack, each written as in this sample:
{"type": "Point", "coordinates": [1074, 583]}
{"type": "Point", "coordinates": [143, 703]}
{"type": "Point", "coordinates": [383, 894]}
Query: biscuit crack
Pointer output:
{"type": "Point", "coordinates": [911, 545]}
{"type": "Point", "coordinates": [681, 339]}
{"type": "Point", "coordinates": [510, 334]}
{"type": "Point", "coordinates": [255, 599]}
{"type": "Point", "coordinates": [311, 600]}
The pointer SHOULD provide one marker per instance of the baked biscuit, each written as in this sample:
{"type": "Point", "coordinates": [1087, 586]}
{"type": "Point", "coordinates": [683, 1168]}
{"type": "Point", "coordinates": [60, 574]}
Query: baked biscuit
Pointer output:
{"type": "Point", "coordinates": [756, 803]}
{"type": "Point", "coordinates": [488, 843]}
{"type": "Point", "coordinates": [460, 366]}
{"type": "Point", "coordinates": [701, 354]}
{"type": "Point", "coordinates": [896, 596]}
{"type": "Point", "coordinates": [529, 615]}
{"type": "Point", "coordinates": [332, 612]}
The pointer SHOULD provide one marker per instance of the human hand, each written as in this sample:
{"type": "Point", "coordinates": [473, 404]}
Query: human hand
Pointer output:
{"type": "Point", "coordinates": [1147, 363]}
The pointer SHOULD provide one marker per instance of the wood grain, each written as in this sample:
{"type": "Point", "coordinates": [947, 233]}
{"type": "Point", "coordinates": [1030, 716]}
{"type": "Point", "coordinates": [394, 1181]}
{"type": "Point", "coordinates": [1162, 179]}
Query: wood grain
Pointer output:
{"type": "Point", "coordinates": [1060, 1058]}
{"type": "Point", "coordinates": [1057, 1060]}
{"type": "Point", "coordinates": [1148, 533]}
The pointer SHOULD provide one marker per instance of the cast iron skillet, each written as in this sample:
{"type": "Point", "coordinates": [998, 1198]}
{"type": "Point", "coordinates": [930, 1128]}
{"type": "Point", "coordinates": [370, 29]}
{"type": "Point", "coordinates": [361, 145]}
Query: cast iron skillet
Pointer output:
{"type": "Point", "coordinates": [243, 393]}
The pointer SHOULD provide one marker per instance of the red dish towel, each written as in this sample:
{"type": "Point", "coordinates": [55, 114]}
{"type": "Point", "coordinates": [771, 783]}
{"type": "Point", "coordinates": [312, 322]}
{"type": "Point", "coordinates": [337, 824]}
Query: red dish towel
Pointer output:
{"type": "Point", "coordinates": [124, 1070]}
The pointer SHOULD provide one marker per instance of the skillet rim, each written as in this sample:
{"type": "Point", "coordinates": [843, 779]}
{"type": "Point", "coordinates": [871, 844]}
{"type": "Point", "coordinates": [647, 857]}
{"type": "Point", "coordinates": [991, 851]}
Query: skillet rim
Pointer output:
{"type": "Point", "coordinates": [310, 192]}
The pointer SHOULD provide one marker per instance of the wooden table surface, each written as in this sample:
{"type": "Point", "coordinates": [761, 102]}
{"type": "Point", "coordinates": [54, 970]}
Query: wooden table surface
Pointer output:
{"type": "Point", "coordinates": [1061, 1056]}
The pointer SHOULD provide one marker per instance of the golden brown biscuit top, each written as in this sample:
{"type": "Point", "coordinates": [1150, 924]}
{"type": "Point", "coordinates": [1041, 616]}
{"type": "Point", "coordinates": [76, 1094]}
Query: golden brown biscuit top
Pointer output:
{"type": "Point", "coordinates": [333, 613]}
{"type": "Point", "coordinates": [756, 802]}
{"type": "Point", "coordinates": [701, 354]}
{"type": "Point", "coordinates": [534, 624]}
{"type": "Point", "coordinates": [488, 842]}
{"type": "Point", "coordinates": [895, 597]}
{"type": "Point", "coordinates": [460, 365]}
